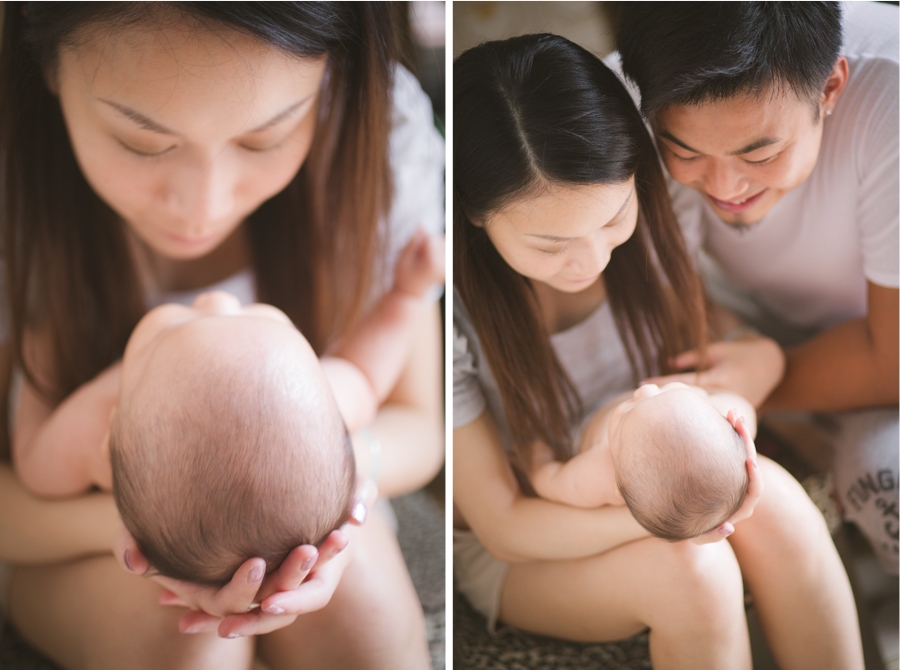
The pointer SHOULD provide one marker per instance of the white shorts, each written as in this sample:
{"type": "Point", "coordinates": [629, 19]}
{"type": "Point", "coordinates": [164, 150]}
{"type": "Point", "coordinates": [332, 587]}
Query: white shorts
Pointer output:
{"type": "Point", "coordinates": [479, 576]}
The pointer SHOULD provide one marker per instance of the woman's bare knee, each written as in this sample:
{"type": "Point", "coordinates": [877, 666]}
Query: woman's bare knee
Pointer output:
{"type": "Point", "coordinates": [105, 619]}
{"type": "Point", "coordinates": [700, 587]}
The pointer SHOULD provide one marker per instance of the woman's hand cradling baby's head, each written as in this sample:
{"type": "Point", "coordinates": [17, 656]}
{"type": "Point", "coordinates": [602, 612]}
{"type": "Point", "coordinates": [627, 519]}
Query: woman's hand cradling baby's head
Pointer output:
{"type": "Point", "coordinates": [304, 582]}
{"type": "Point", "coordinates": [754, 486]}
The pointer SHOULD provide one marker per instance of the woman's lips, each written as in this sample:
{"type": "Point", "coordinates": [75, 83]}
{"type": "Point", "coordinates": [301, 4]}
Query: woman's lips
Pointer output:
{"type": "Point", "coordinates": [738, 205]}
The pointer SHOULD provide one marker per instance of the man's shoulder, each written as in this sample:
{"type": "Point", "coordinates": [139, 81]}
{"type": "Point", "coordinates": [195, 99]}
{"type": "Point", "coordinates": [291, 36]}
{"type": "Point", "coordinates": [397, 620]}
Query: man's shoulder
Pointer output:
{"type": "Point", "coordinates": [871, 29]}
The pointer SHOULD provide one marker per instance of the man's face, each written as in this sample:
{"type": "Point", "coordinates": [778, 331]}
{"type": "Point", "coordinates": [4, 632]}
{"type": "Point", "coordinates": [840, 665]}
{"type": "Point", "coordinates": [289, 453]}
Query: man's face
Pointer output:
{"type": "Point", "coordinates": [742, 154]}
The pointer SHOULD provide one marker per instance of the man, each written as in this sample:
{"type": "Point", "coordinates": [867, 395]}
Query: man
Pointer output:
{"type": "Point", "coordinates": [782, 142]}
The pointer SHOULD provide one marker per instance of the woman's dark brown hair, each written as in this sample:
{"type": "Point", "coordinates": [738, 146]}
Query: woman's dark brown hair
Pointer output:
{"type": "Point", "coordinates": [314, 246]}
{"type": "Point", "coordinates": [537, 110]}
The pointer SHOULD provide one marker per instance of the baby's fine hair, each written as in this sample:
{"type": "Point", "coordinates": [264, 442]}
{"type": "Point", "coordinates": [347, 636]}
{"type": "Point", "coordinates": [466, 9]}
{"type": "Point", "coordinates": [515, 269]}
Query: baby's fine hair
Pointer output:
{"type": "Point", "coordinates": [683, 482]}
{"type": "Point", "coordinates": [221, 465]}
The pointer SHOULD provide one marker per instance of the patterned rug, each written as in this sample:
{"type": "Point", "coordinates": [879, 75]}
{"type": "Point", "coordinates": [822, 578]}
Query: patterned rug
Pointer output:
{"type": "Point", "coordinates": [510, 649]}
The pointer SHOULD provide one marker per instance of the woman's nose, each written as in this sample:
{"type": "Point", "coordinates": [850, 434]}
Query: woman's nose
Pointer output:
{"type": "Point", "coordinates": [202, 196]}
{"type": "Point", "coordinates": [593, 255]}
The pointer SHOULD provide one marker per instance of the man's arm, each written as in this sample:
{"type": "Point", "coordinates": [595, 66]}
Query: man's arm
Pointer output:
{"type": "Point", "coordinates": [852, 365]}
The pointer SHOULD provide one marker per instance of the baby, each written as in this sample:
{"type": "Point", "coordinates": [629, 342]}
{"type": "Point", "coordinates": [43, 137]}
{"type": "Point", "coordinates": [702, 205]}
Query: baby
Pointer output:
{"type": "Point", "coordinates": [230, 437]}
{"type": "Point", "coordinates": [675, 455]}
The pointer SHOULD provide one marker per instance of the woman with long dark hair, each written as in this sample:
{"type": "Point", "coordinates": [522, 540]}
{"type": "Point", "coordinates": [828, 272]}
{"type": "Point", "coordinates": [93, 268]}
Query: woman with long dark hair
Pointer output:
{"type": "Point", "coordinates": [572, 283]}
{"type": "Point", "coordinates": [153, 151]}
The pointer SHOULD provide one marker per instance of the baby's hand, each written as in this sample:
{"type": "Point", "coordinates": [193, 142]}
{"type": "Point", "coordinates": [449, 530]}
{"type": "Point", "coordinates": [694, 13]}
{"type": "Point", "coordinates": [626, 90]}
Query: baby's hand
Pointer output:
{"type": "Point", "coordinates": [420, 265]}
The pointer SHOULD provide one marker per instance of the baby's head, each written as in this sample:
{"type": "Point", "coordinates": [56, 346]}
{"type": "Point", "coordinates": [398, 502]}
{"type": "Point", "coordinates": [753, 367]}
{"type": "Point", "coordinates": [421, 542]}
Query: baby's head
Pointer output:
{"type": "Point", "coordinates": [227, 442]}
{"type": "Point", "coordinates": [680, 465]}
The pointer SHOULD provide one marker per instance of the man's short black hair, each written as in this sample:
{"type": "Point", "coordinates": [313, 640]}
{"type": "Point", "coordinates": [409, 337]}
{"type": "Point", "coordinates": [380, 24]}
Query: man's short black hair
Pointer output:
{"type": "Point", "coordinates": [683, 53]}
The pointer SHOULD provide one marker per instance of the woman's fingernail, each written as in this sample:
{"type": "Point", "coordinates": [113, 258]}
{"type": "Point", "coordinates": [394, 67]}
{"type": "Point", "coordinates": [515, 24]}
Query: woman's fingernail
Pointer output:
{"type": "Point", "coordinates": [359, 512]}
{"type": "Point", "coordinates": [274, 609]}
{"type": "Point", "coordinates": [256, 574]}
{"type": "Point", "coordinates": [308, 563]}
{"type": "Point", "coordinates": [232, 636]}
{"type": "Point", "coordinates": [192, 631]}
{"type": "Point", "coordinates": [127, 561]}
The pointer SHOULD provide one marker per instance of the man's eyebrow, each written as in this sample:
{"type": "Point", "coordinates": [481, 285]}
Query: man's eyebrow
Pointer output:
{"type": "Point", "coordinates": [758, 144]}
{"type": "Point", "coordinates": [558, 238]}
{"type": "Point", "coordinates": [147, 123]}
{"type": "Point", "coordinates": [753, 146]}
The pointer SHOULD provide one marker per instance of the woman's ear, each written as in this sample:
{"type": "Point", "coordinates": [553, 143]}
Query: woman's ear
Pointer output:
{"type": "Point", "coordinates": [51, 79]}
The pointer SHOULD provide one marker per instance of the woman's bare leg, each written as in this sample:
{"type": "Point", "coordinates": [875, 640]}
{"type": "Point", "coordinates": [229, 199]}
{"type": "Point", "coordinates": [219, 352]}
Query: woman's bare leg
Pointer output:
{"type": "Point", "coordinates": [799, 585]}
{"type": "Point", "coordinates": [91, 615]}
{"type": "Point", "coordinates": [374, 620]}
{"type": "Point", "coordinates": [690, 596]}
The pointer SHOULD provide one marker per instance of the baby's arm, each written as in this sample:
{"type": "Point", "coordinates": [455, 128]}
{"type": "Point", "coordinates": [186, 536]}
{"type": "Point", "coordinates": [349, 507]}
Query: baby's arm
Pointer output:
{"type": "Point", "coordinates": [366, 366]}
{"type": "Point", "coordinates": [587, 480]}
{"type": "Point", "coordinates": [59, 452]}
{"type": "Point", "coordinates": [578, 482]}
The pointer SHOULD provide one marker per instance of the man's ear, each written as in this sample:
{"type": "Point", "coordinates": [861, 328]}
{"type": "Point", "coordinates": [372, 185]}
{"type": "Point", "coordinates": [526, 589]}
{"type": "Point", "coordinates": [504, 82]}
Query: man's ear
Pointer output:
{"type": "Point", "coordinates": [834, 85]}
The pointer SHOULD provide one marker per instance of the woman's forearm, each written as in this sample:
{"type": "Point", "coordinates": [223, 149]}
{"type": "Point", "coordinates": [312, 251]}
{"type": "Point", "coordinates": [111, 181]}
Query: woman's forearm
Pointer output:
{"type": "Point", "coordinates": [517, 528]}
{"type": "Point", "coordinates": [41, 531]}
{"type": "Point", "coordinates": [537, 530]}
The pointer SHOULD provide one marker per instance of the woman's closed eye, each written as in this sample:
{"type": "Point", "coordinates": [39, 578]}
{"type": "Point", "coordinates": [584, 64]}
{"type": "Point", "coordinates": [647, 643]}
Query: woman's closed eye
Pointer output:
{"type": "Point", "coordinates": [552, 252]}
{"type": "Point", "coordinates": [145, 152]}
{"type": "Point", "coordinates": [263, 147]}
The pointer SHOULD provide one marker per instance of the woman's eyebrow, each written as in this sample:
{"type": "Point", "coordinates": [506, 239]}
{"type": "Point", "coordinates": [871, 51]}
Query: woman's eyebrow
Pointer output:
{"type": "Point", "coordinates": [147, 123]}
{"type": "Point", "coordinates": [144, 122]}
{"type": "Point", "coordinates": [281, 116]}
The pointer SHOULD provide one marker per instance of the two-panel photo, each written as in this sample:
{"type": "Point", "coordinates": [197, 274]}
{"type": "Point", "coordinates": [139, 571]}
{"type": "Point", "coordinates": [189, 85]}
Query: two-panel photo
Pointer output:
{"type": "Point", "coordinates": [432, 335]}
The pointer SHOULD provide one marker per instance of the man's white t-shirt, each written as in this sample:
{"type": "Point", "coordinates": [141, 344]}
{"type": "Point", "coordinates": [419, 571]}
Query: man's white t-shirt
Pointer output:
{"type": "Point", "coordinates": [808, 260]}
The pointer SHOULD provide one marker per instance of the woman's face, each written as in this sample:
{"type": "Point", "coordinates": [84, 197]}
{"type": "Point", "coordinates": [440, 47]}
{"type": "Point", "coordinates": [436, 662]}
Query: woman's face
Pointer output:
{"type": "Point", "coordinates": [564, 237]}
{"type": "Point", "coordinates": [184, 132]}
